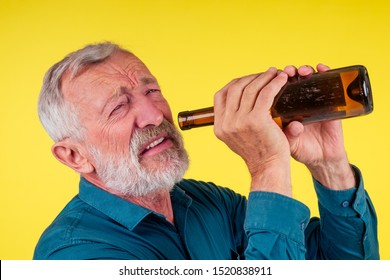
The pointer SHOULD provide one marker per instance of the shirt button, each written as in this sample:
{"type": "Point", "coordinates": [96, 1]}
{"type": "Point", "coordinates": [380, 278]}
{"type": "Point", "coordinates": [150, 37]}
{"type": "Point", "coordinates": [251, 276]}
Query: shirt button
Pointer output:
{"type": "Point", "coordinates": [345, 204]}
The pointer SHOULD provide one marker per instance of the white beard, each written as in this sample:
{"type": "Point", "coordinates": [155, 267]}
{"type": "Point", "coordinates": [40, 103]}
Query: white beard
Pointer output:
{"type": "Point", "coordinates": [127, 177]}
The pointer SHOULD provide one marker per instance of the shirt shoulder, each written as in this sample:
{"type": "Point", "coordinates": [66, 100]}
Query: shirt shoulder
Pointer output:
{"type": "Point", "coordinates": [209, 194]}
{"type": "Point", "coordinates": [195, 188]}
{"type": "Point", "coordinates": [77, 223]}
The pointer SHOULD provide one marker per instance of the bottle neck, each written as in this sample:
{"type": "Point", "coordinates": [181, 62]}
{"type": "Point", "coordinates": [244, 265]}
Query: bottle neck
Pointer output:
{"type": "Point", "coordinates": [196, 118]}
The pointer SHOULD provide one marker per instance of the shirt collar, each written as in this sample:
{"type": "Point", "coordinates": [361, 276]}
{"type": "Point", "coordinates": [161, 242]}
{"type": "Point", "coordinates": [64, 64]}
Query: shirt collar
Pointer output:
{"type": "Point", "coordinates": [118, 209]}
{"type": "Point", "coordinates": [122, 211]}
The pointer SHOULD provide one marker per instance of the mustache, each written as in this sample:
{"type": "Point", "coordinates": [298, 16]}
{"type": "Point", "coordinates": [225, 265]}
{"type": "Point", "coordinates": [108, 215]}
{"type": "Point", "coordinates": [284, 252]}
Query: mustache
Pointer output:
{"type": "Point", "coordinates": [140, 136]}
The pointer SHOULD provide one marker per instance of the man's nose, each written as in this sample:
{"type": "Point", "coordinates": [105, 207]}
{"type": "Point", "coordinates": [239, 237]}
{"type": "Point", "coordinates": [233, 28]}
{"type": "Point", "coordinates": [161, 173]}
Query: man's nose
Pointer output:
{"type": "Point", "coordinates": [148, 113]}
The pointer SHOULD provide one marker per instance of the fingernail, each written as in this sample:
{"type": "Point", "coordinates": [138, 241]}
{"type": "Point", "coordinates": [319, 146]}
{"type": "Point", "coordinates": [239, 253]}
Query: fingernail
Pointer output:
{"type": "Point", "coordinates": [283, 74]}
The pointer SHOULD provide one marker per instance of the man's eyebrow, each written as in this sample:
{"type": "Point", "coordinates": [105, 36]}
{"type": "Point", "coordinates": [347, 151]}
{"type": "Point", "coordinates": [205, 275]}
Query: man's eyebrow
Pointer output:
{"type": "Point", "coordinates": [148, 80]}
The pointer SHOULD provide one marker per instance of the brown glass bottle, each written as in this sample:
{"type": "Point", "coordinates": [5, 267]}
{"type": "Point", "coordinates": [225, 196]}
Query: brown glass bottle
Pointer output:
{"type": "Point", "coordinates": [334, 94]}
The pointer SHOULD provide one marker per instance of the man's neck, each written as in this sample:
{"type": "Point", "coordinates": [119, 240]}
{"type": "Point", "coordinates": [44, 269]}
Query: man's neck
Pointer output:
{"type": "Point", "coordinates": [159, 202]}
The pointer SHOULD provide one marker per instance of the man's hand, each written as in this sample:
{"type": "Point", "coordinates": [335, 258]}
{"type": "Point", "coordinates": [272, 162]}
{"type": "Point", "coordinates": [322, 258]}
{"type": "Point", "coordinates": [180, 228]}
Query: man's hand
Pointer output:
{"type": "Point", "coordinates": [320, 146]}
{"type": "Point", "coordinates": [243, 122]}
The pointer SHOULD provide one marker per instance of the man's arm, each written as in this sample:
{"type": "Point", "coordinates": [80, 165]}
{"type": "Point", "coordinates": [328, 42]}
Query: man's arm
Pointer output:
{"type": "Point", "coordinates": [274, 223]}
{"type": "Point", "coordinates": [348, 225]}
{"type": "Point", "coordinates": [275, 226]}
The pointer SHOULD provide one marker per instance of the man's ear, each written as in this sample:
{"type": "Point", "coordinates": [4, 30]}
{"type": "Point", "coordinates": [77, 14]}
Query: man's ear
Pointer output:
{"type": "Point", "coordinates": [71, 155]}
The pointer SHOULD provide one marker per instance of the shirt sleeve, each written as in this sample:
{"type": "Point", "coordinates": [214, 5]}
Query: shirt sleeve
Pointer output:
{"type": "Point", "coordinates": [275, 227]}
{"type": "Point", "coordinates": [348, 225]}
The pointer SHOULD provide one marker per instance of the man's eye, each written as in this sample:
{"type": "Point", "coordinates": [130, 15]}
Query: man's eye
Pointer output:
{"type": "Point", "coordinates": [152, 90]}
{"type": "Point", "coordinates": [117, 108]}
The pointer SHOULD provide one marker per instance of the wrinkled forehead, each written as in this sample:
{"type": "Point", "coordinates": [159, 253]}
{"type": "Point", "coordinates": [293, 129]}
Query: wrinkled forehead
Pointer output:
{"type": "Point", "coordinates": [120, 67]}
{"type": "Point", "coordinates": [118, 63]}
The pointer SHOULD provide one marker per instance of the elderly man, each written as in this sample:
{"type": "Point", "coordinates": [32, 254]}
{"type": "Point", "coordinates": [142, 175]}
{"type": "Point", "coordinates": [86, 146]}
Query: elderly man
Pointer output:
{"type": "Point", "coordinates": [111, 124]}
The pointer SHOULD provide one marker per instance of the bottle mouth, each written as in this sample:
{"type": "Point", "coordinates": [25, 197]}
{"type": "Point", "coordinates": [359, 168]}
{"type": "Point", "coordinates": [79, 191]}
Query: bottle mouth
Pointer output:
{"type": "Point", "coordinates": [184, 120]}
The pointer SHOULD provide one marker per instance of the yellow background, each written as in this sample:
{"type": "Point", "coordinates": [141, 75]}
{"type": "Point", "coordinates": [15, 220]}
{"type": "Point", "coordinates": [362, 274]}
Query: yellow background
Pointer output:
{"type": "Point", "coordinates": [193, 48]}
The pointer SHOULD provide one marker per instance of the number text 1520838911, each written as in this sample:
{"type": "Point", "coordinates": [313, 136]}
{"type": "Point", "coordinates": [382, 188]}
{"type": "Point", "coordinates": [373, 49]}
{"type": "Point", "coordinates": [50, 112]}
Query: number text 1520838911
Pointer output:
{"type": "Point", "coordinates": [245, 270]}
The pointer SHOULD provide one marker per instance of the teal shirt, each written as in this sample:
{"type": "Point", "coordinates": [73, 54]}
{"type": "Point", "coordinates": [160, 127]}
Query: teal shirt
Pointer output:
{"type": "Point", "coordinates": [212, 222]}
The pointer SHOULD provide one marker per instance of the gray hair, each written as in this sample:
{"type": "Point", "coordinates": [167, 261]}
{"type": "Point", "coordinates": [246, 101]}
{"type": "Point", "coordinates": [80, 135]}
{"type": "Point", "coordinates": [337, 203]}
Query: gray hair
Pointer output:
{"type": "Point", "coordinates": [57, 116]}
